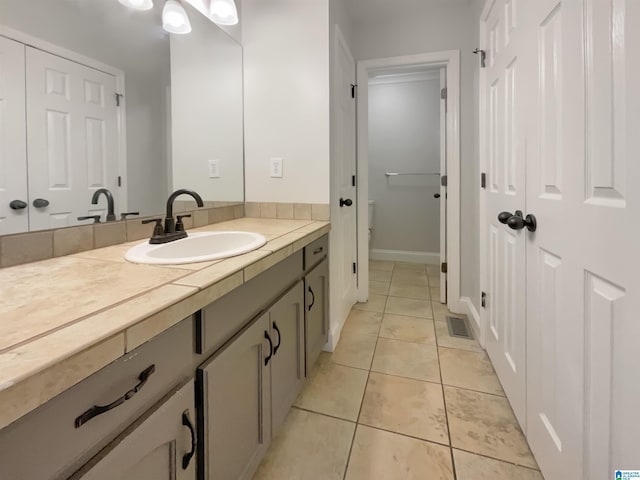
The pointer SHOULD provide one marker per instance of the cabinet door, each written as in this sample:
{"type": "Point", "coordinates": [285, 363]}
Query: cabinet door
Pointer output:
{"type": "Point", "coordinates": [288, 364]}
{"type": "Point", "coordinates": [316, 312]}
{"type": "Point", "coordinates": [154, 448]}
{"type": "Point", "coordinates": [236, 415]}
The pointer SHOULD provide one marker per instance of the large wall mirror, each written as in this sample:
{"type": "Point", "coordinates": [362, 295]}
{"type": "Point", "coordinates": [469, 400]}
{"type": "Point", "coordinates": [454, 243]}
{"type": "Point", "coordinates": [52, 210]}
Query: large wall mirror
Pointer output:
{"type": "Point", "coordinates": [95, 95]}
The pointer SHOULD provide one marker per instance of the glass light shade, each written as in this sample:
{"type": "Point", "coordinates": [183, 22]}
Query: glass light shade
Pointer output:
{"type": "Point", "coordinates": [174, 18]}
{"type": "Point", "coordinates": [138, 4]}
{"type": "Point", "coordinates": [224, 12]}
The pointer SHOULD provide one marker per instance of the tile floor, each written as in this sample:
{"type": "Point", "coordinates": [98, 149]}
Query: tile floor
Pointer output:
{"type": "Point", "coordinates": [401, 399]}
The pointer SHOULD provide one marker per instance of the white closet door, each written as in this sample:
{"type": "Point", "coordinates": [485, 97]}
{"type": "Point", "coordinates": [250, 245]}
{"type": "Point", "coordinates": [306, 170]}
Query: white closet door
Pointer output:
{"type": "Point", "coordinates": [583, 289]}
{"type": "Point", "coordinates": [505, 191]}
{"type": "Point", "coordinates": [13, 143]}
{"type": "Point", "coordinates": [71, 138]}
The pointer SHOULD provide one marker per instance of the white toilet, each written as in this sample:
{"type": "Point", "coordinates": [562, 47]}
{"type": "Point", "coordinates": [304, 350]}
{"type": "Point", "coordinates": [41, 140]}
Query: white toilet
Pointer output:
{"type": "Point", "coordinates": [371, 206]}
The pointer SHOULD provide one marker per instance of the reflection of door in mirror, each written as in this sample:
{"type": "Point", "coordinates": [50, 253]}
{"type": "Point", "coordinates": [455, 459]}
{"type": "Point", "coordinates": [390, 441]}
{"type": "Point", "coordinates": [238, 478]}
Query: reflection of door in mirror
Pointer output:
{"type": "Point", "coordinates": [13, 154]}
{"type": "Point", "coordinates": [72, 138]}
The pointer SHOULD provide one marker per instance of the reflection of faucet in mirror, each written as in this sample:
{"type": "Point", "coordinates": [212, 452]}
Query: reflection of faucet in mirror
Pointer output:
{"type": "Point", "coordinates": [111, 216]}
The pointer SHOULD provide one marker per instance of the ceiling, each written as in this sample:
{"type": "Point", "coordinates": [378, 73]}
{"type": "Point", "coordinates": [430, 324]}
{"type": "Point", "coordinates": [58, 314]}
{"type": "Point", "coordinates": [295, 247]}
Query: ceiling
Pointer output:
{"type": "Point", "coordinates": [378, 10]}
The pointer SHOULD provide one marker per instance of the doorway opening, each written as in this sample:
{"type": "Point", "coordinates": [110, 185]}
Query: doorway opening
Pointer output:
{"type": "Point", "coordinates": [409, 166]}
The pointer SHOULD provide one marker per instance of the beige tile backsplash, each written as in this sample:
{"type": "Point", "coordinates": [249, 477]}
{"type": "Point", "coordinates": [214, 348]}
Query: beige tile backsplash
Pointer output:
{"type": "Point", "coordinates": [288, 211]}
{"type": "Point", "coordinates": [31, 247]}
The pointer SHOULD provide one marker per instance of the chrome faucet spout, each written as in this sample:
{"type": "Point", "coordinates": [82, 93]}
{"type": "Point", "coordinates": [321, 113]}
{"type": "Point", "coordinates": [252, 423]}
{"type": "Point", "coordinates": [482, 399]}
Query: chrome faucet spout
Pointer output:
{"type": "Point", "coordinates": [111, 216]}
{"type": "Point", "coordinates": [169, 224]}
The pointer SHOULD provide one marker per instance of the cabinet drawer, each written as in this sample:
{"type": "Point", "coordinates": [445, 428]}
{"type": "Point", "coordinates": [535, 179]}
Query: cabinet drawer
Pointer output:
{"type": "Point", "coordinates": [225, 317]}
{"type": "Point", "coordinates": [315, 252]}
{"type": "Point", "coordinates": [46, 443]}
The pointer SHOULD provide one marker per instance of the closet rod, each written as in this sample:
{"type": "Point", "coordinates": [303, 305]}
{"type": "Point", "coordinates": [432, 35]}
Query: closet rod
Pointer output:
{"type": "Point", "coordinates": [396, 174]}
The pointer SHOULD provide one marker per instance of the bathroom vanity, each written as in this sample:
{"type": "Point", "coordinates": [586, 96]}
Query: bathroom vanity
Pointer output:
{"type": "Point", "coordinates": [188, 378]}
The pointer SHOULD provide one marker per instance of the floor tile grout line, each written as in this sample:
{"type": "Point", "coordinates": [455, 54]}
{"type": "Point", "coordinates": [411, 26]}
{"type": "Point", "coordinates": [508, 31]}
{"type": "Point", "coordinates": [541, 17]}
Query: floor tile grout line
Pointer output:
{"type": "Point", "coordinates": [406, 435]}
{"type": "Point", "coordinates": [323, 414]}
{"type": "Point", "coordinates": [502, 460]}
{"type": "Point", "coordinates": [364, 393]}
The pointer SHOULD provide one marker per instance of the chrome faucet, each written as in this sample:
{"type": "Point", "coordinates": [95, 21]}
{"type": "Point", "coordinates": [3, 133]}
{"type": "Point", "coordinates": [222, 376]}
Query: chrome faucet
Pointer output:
{"type": "Point", "coordinates": [111, 216]}
{"type": "Point", "coordinates": [170, 233]}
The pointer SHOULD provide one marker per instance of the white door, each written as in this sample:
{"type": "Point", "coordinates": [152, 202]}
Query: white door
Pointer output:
{"type": "Point", "coordinates": [71, 139]}
{"type": "Point", "coordinates": [443, 188]}
{"type": "Point", "coordinates": [14, 217]}
{"type": "Point", "coordinates": [504, 282]}
{"type": "Point", "coordinates": [343, 234]}
{"type": "Point", "coordinates": [583, 289]}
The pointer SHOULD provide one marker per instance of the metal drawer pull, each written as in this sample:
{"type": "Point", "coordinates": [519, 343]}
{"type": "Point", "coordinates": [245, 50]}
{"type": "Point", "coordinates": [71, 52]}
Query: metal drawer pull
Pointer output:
{"type": "Point", "coordinates": [318, 250]}
{"type": "Point", "coordinates": [275, 349]}
{"type": "Point", "coordinates": [100, 409]}
{"type": "Point", "coordinates": [186, 421]}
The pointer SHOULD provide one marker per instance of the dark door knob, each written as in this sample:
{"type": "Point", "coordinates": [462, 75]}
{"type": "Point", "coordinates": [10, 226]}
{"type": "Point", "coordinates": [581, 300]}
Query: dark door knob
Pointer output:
{"type": "Point", "coordinates": [436, 195]}
{"type": "Point", "coordinates": [40, 203]}
{"type": "Point", "coordinates": [17, 205]}
{"type": "Point", "coordinates": [348, 202]}
{"type": "Point", "coordinates": [503, 217]}
{"type": "Point", "coordinates": [516, 222]}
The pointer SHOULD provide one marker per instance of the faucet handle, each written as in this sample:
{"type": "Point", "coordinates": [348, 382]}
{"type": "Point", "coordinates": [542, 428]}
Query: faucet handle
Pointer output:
{"type": "Point", "coordinates": [179, 224]}
{"type": "Point", "coordinates": [123, 216]}
{"type": "Point", "coordinates": [158, 231]}
{"type": "Point", "coordinates": [95, 218]}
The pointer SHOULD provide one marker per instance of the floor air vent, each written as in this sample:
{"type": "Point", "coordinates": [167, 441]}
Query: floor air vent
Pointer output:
{"type": "Point", "coordinates": [458, 327]}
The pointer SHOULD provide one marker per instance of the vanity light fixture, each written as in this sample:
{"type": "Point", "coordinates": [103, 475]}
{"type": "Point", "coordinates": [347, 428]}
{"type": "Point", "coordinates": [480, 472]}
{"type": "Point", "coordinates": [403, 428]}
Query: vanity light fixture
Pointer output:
{"type": "Point", "coordinates": [174, 18]}
{"type": "Point", "coordinates": [138, 4]}
{"type": "Point", "coordinates": [224, 12]}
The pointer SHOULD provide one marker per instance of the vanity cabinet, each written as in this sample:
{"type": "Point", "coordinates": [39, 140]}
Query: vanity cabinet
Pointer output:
{"type": "Point", "coordinates": [316, 310]}
{"type": "Point", "coordinates": [248, 387]}
{"type": "Point", "coordinates": [159, 446]}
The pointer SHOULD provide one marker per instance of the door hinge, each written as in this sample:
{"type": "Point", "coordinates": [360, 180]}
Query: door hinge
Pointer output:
{"type": "Point", "coordinates": [483, 56]}
{"type": "Point", "coordinates": [354, 89]}
{"type": "Point", "coordinates": [353, 180]}
{"type": "Point", "coordinates": [483, 180]}
{"type": "Point", "coordinates": [354, 267]}
{"type": "Point", "coordinates": [119, 181]}
{"type": "Point", "coordinates": [443, 94]}
{"type": "Point", "coordinates": [484, 300]}
{"type": "Point", "coordinates": [443, 267]}
{"type": "Point", "coordinates": [443, 180]}
{"type": "Point", "coordinates": [118, 97]}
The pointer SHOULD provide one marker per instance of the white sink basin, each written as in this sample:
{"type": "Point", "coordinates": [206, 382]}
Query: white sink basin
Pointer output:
{"type": "Point", "coordinates": [197, 247]}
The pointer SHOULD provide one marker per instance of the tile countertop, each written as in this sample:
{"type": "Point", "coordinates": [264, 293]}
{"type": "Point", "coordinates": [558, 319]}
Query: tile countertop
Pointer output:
{"type": "Point", "coordinates": [63, 319]}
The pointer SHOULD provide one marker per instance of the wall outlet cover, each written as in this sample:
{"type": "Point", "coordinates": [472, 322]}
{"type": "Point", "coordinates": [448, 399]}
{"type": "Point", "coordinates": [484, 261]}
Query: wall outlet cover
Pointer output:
{"type": "Point", "coordinates": [214, 168]}
{"type": "Point", "coordinates": [275, 167]}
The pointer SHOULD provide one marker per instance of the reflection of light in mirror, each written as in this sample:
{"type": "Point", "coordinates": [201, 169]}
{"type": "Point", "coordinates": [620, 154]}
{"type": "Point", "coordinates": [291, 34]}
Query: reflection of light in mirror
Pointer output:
{"type": "Point", "coordinates": [138, 4]}
{"type": "Point", "coordinates": [224, 12]}
{"type": "Point", "coordinates": [174, 18]}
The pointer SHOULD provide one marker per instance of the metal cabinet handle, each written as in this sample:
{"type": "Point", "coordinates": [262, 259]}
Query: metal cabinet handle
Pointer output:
{"type": "Point", "coordinates": [318, 250]}
{"type": "Point", "coordinates": [313, 299]}
{"type": "Point", "coordinates": [100, 409]}
{"type": "Point", "coordinates": [186, 421]}
{"type": "Point", "coordinates": [275, 327]}
{"type": "Point", "coordinates": [266, 360]}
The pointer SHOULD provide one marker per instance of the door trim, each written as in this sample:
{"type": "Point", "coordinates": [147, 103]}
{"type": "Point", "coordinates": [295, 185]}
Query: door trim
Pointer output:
{"type": "Point", "coordinates": [450, 60]}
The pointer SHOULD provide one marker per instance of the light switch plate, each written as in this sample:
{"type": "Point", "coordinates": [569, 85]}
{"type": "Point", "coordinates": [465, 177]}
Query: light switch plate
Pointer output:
{"type": "Point", "coordinates": [276, 167]}
{"type": "Point", "coordinates": [214, 168]}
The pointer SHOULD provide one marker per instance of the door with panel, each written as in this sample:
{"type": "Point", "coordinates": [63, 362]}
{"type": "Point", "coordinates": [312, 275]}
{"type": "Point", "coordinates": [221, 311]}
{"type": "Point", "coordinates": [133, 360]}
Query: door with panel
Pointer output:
{"type": "Point", "coordinates": [235, 418]}
{"type": "Point", "coordinates": [161, 445]}
{"type": "Point", "coordinates": [14, 211]}
{"type": "Point", "coordinates": [583, 295]}
{"type": "Point", "coordinates": [286, 318]}
{"type": "Point", "coordinates": [72, 138]}
{"type": "Point", "coordinates": [505, 194]}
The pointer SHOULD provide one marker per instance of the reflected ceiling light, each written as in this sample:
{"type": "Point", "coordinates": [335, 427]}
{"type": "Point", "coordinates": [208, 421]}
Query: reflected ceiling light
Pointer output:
{"type": "Point", "coordinates": [174, 18]}
{"type": "Point", "coordinates": [224, 12]}
{"type": "Point", "coordinates": [138, 4]}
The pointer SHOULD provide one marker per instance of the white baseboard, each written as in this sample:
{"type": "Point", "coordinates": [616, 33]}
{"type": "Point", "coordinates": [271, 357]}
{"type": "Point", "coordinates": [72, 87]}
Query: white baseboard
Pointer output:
{"type": "Point", "coordinates": [405, 256]}
{"type": "Point", "coordinates": [473, 315]}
